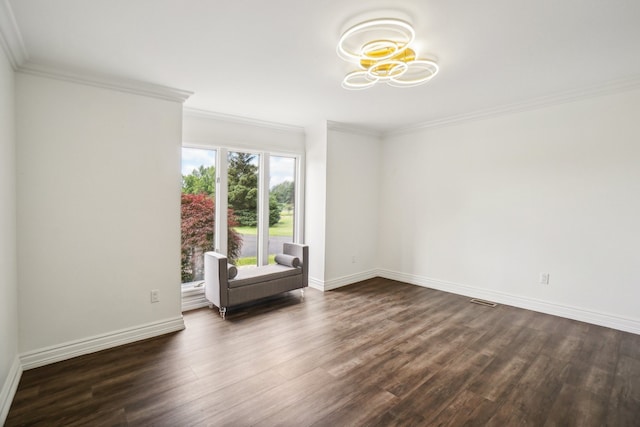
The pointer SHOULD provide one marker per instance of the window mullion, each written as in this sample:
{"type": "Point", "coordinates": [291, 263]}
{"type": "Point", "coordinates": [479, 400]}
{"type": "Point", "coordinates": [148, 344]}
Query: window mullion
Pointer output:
{"type": "Point", "coordinates": [263, 210]}
{"type": "Point", "coordinates": [221, 231]}
{"type": "Point", "coordinates": [298, 233]}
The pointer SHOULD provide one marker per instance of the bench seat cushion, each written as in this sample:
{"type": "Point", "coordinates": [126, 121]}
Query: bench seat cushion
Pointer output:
{"type": "Point", "coordinates": [253, 275]}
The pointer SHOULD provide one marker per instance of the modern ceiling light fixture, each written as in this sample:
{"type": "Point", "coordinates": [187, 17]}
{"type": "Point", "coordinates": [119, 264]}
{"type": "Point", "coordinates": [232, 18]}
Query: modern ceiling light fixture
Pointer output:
{"type": "Point", "coordinates": [381, 50]}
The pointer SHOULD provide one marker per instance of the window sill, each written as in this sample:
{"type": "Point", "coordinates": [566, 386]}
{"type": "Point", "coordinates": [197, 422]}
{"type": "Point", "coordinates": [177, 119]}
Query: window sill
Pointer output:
{"type": "Point", "coordinates": [193, 296]}
{"type": "Point", "coordinates": [193, 287]}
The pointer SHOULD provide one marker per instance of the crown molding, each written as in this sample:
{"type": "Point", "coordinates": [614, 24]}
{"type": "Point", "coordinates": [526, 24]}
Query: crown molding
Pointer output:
{"type": "Point", "coordinates": [106, 82]}
{"type": "Point", "coordinates": [229, 118]}
{"type": "Point", "coordinates": [348, 128]}
{"type": "Point", "coordinates": [10, 37]}
{"type": "Point", "coordinates": [608, 88]}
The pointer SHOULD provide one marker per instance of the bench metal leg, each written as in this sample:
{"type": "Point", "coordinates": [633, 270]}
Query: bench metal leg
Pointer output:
{"type": "Point", "coordinates": [302, 293]}
{"type": "Point", "coordinates": [223, 312]}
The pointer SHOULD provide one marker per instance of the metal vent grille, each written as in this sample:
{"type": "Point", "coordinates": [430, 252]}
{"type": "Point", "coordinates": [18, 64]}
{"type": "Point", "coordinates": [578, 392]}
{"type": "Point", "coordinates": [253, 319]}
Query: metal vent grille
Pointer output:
{"type": "Point", "coordinates": [483, 302]}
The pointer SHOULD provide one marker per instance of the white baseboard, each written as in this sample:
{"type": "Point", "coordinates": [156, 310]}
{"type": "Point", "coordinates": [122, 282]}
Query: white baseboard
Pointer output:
{"type": "Point", "coordinates": [9, 389]}
{"type": "Point", "coordinates": [339, 282]}
{"type": "Point", "coordinates": [349, 280]}
{"type": "Point", "coordinates": [45, 356]}
{"type": "Point", "coordinates": [316, 284]}
{"type": "Point", "coordinates": [575, 313]}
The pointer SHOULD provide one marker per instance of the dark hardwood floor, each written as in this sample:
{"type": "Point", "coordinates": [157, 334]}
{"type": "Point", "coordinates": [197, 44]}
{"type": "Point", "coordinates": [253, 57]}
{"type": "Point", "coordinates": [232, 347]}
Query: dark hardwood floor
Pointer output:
{"type": "Point", "coordinates": [378, 353]}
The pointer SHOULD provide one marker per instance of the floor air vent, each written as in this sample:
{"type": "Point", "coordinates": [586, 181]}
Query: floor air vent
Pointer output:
{"type": "Point", "coordinates": [483, 302]}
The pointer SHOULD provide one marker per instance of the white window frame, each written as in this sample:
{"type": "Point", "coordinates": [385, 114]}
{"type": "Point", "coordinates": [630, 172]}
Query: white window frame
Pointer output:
{"type": "Point", "coordinates": [222, 203]}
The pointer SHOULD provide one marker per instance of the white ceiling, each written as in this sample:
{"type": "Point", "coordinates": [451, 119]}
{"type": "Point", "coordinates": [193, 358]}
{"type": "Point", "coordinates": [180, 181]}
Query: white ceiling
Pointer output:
{"type": "Point", "coordinates": [275, 60]}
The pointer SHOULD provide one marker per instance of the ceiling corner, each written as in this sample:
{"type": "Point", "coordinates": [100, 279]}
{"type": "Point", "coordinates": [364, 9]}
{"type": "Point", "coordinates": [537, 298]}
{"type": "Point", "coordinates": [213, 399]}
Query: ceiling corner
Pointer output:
{"type": "Point", "coordinates": [10, 37]}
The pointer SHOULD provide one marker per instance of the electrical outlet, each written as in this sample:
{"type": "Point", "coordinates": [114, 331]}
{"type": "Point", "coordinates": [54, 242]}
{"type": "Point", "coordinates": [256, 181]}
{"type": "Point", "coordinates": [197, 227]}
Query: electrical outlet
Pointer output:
{"type": "Point", "coordinates": [155, 295]}
{"type": "Point", "coordinates": [544, 278]}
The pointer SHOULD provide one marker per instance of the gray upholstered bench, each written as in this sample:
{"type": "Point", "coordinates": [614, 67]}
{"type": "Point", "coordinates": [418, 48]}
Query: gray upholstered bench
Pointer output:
{"type": "Point", "coordinates": [253, 283]}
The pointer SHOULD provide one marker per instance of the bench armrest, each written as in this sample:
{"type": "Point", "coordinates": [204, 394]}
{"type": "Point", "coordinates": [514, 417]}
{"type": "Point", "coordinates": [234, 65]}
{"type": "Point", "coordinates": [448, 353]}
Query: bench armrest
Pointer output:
{"type": "Point", "coordinates": [216, 282]}
{"type": "Point", "coordinates": [302, 253]}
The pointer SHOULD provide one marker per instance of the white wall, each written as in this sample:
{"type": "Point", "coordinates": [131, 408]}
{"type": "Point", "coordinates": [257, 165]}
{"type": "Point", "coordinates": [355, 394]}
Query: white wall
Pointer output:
{"type": "Point", "coordinates": [483, 207]}
{"type": "Point", "coordinates": [8, 258]}
{"type": "Point", "coordinates": [341, 216]}
{"type": "Point", "coordinates": [211, 130]}
{"type": "Point", "coordinates": [98, 212]}
{"type": "Point", "coordinates": [353, 185]}
{"type": "Point", "coordinates": [316, 200]}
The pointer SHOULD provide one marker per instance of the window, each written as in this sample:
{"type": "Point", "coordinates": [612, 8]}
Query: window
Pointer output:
{"type": "Point", "coordinates": [282, 206]}
{"type": "Point", "coordinates": [255, 194]}
{"type": "Point", "coordinates": [197, 209]}
{"type": "Point", "coordinates": [243, 213]}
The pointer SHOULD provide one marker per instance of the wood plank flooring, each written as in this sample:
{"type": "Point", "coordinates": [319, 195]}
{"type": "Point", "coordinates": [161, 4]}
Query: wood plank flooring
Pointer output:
{"type": "Point", "coordinates": [377, 353]}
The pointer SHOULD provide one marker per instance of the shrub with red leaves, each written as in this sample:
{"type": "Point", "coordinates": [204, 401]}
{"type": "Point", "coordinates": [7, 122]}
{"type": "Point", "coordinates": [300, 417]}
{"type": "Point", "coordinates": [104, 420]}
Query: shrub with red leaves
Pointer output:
{"type": "Point", "coordinates": [197, 226]}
